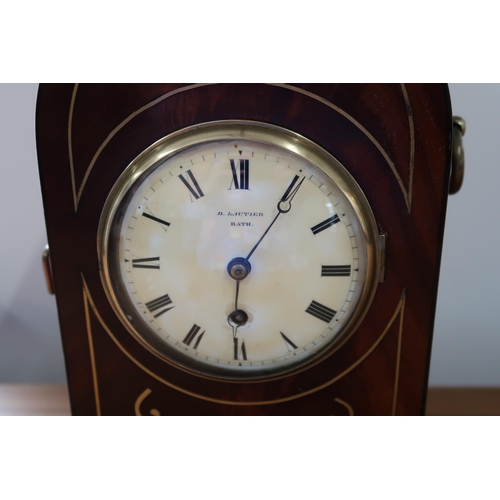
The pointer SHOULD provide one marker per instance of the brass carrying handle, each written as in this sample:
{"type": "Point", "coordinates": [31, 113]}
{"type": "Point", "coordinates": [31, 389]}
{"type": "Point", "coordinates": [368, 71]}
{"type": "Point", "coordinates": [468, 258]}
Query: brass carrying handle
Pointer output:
{"type": "Point", "coordinates": [47, 270]}
{"type": "Point", "coordinates": [457, 157]}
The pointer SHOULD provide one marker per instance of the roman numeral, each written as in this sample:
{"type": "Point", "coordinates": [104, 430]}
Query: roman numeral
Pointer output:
{"type": "Point", "coordinates": [139, 263]}
{"type": "Point", "coordinates": [288, 342]}
{"type": "Point", "coordinates": [325, 224]}
{"type": "Point", "coordinates": [195, 189]}
{"type": "Point", "coordinates": [336, 270]}
{"type": "Point", "coordinates": [156, 219]}
{"type": "Point", "coordinates": [243, 349]}
{"type": "Point", "coordinates": [321, 312]}
{"type": "Point", "coordinates": [240, 181]}
{"type": "Point", "coordinates": [159, 303]}
{"type": "Point", "coordinates": [192, 335]}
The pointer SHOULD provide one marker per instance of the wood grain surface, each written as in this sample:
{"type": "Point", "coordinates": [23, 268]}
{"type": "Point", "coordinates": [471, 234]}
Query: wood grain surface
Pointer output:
{"type": "Point", "coordinates": [394, 140]}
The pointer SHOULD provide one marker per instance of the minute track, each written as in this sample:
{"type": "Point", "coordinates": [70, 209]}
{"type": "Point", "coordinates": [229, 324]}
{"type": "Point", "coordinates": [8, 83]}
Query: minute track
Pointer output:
{"type": "Point", "coordinates": [206, 260]}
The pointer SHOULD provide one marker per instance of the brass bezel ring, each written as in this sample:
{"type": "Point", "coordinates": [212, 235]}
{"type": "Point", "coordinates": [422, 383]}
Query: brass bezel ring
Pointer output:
{"type": "Point", "coordinates": [168, 146]}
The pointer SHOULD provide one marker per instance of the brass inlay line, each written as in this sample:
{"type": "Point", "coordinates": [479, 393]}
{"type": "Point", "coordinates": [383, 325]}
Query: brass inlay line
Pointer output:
{"type": "Point", "coordinates": [398, 359]}
{"type": "Point", "coordinates": [70, 143]}
{"type": "Point", "coordinates": [360, 127]}
{"type": "Point", "coordinates": [78, 195]}
{"type": "Point", "coordinates": [138, 402]}
{"type": "Point", "coordinates": [347, 405]}
{"type": "Point", "coordinates": [92, 357]}
{"type": "Point", "coordinates": [412, 144]}
{"type": "Point", "coordinates": [241, 403]}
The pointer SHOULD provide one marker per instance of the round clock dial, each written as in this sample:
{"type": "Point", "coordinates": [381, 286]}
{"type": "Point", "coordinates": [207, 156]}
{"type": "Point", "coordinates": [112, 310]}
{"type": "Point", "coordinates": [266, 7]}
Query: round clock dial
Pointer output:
{"type": "Point", "coordinates": [238, 250]}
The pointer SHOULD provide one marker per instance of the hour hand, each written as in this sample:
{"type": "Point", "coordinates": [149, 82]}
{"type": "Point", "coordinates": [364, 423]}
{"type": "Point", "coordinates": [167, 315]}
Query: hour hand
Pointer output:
{"type": "Point", "coordinates": [285, 204]}
{"type": "Point", "coordinates": [238, 317]}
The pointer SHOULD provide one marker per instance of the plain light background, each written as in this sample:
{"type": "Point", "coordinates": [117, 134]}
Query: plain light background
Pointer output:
{"type": "Point", "coordinates": [467, 329]}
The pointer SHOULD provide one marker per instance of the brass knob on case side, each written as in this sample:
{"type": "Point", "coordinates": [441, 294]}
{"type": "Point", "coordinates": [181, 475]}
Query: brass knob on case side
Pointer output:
{"type": "Point", "coordinates": [458, 157]}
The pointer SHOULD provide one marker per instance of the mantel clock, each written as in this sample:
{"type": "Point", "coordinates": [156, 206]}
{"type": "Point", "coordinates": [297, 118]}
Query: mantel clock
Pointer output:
{"type": "Point", "coordinates": [245, 249]}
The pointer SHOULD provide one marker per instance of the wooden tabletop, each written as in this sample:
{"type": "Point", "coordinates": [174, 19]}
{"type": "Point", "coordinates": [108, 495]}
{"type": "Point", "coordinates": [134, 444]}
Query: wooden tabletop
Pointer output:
{"type": "Point", "coordinates": [33, 399]}
{"type": "Point", "coordinates": [463, 401]}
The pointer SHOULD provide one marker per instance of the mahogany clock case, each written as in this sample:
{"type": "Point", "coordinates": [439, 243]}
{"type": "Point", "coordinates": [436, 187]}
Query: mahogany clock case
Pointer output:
{"type": "Point", "coordinates": [394, 139]}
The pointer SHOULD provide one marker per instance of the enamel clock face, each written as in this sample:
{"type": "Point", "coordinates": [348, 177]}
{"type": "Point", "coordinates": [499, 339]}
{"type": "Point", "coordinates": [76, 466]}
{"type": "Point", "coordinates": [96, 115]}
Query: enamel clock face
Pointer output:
{"type": "Point", "coordinates": [238, 250]}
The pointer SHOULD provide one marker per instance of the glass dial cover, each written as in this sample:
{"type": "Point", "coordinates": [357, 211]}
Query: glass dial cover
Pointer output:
{"type": "Point", "coordinates": [238, 250]}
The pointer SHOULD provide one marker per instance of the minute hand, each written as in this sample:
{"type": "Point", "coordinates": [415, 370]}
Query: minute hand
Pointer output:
{"type": "Point", "coordinates": [284, 206]}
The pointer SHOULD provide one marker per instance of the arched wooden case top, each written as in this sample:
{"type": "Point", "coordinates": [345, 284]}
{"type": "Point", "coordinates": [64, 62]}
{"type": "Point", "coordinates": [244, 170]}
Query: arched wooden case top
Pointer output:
{"type": "Point", "coordinates": [393, 139]}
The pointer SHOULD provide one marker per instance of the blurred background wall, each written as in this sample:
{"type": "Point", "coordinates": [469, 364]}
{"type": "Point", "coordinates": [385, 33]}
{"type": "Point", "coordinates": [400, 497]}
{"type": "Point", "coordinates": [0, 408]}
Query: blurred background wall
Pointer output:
{"type": "Point", "coordinates": [467, 331]}
{"type": "Point", "coordinates": [30, 346]}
